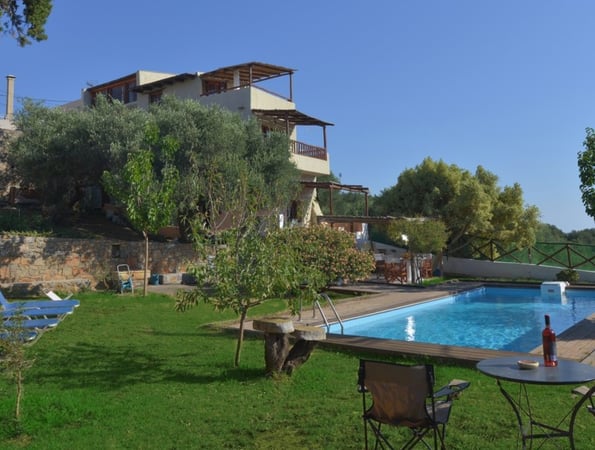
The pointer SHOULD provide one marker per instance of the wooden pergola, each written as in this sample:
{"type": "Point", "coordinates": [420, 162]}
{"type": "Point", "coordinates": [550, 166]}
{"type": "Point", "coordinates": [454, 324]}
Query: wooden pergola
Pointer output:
{"type": "Point", "coordinates": [333, 186]}
{"type": "Point", "coordinates": [249, 73]}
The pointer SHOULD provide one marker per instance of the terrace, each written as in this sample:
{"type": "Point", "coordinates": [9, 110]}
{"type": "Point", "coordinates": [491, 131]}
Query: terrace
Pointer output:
{"type": "Point", "coordinates": [254, 87]}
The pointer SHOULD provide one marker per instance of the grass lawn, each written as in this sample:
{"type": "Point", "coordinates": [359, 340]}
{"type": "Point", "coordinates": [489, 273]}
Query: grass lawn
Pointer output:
{"type": "Point", "coordinates": [126, 372]}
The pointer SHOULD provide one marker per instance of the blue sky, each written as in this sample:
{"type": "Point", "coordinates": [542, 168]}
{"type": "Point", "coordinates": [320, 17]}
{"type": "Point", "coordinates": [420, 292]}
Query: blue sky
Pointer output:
{"type": "Point", "coordinates": [508, 84]}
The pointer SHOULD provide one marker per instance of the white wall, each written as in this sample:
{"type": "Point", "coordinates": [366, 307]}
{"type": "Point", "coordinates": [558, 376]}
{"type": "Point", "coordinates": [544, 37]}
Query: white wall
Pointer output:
{"type": "Point", "coordinates": [311, 166]}
{"type": "Point", "coordinates": [516, 271]}
{"type": "Point", "coordinates": [237, 101]}
{"type": "Point", "coordinates": [6, 124]}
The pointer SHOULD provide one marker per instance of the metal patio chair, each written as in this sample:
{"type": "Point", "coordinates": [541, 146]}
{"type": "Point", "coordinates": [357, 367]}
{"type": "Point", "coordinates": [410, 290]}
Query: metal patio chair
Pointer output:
{"type": "Point", "coordinates": [403, 396]}
{"type": "Point", "coordinates": [125, 278]}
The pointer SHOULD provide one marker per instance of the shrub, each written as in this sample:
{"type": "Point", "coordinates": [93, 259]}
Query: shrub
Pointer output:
{"type": "Point", "coordinates": [569, 275]}
{"type": "Point", "coordinates": [330, 252]}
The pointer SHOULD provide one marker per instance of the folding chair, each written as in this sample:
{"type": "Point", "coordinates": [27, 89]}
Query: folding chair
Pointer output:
{"type": "Point", "coordinates": [403, 396]}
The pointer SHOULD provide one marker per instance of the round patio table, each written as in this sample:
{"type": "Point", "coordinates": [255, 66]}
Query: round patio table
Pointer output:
{"type": "Point", "coordinates": [567, 372]}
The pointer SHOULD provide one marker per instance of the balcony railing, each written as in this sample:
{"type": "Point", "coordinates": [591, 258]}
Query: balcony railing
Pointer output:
{"type": "Point", "coordinates": [299, 148]}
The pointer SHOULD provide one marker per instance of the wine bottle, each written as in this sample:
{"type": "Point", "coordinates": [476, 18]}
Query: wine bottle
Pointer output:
{"type": "Point", "coordinates": [548, 339]}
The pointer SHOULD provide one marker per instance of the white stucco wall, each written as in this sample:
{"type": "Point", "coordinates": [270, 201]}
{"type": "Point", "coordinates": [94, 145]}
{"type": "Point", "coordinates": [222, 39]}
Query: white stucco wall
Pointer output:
{"type": "Point", "coordinates": [237, 101]}
{"type": "Point", "coordinates": [311, 166]}
{"type": "Point", "coordinates": [264, 100]}
{"type": "Point", "coordinates": [6, 124]}
{"type": "Point", "coordinates": [187, 89]}
{"type": "Point", "coordinates": [475, 268]}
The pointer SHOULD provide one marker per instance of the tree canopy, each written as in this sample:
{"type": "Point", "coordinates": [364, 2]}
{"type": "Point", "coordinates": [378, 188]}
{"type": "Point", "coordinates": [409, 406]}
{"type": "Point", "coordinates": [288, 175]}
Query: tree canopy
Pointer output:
{"type": "Point", "coordinates": [25, 19]}
{"type": "Point", "coordinates": [217, 150]}
{"type": "Point", "coordinates": [586, 166]}
{"type": "Point", "coordinates": [146, 193]}
{"type": "Point", "coordinates": [470, 205]}
{"type": "Point", "coordinates": [61, 152]}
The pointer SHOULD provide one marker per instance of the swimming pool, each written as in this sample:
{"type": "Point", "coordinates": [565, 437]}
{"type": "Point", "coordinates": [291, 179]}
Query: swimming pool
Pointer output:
{"type": "Point", "coordinates": [488, 317]}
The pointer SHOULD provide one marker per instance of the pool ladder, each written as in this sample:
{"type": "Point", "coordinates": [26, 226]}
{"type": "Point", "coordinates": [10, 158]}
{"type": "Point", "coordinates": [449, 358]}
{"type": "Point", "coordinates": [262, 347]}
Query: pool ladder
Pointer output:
{"type": "Point", "coordinates": [332, 305]}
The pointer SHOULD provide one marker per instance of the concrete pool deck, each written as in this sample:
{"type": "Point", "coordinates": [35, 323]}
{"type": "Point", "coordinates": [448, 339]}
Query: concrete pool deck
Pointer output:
{"type": "Point", "coordinates": [576, 343]}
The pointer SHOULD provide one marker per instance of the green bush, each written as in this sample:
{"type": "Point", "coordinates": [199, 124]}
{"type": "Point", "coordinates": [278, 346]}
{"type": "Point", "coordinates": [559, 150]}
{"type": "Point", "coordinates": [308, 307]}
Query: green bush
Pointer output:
{"type": "Point", "coordinates": [15, 221]}
{"type": "Point", "coordinates": [331, 252]}
{"type": "Point", "coordinates": [569, 275]}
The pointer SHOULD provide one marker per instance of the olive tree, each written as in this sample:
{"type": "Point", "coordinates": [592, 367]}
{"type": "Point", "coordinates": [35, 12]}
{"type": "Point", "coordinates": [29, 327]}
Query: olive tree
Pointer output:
{"type": "Point", "coordinates": [242, 271]}
{"type": "Point", "coordinates": [216, 145]}
{"type": "Point", "coordinates": [242, 264]}
{"type": "Point", "coordinates": [61, 152]}
{"type": "Point", "coordinates": [586, 166]}
{"type": "Point", "coordinates": [15, 361]}
{"type": "Point", "coordinates": [234, 182]}
{"type": "Point", "coordinates": [145, 189]}
{"type": "Point", "coordinates": [470, 205]}
{"type": "Point", "coordinates": [419, 236]}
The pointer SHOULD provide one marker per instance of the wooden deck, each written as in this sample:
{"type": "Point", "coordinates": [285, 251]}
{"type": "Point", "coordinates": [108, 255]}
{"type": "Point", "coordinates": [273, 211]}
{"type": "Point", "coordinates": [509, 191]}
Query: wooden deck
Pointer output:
{"type": "Point", "coordinates": [448, 353]}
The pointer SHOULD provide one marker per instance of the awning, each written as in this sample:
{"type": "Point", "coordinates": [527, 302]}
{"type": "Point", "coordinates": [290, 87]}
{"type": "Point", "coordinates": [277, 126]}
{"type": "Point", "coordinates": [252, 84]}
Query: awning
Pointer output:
{"type": "Point", "coordinates": [249, 72]}
{"type": "Point", "coordinates": [336, 186]}
{"type": "Point", "coordinates": [289, 115]}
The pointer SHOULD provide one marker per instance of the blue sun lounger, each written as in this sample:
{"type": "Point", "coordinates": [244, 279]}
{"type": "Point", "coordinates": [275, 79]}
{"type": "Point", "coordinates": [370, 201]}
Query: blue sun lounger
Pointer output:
{"type": "Point", "coordinates": [36, 304]}
{"type": "Point", "coordinates": [31, 324]}
{"type": "Point", "coordinates": [24, 330]}
{"type": "Point", "coordinates": [38, 313]}
{"type": "Point", "coordinates": [25, 336]}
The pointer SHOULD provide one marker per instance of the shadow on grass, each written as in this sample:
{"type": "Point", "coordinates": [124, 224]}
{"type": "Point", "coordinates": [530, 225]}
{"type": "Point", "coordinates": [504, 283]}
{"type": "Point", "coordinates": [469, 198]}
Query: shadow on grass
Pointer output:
{"type": "Point", "coordinates": [111, 367]}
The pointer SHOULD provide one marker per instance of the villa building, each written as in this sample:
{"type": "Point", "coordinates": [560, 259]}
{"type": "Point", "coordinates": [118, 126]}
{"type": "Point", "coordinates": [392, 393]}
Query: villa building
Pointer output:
{"type": "Point", "coordinates": [251, 90]}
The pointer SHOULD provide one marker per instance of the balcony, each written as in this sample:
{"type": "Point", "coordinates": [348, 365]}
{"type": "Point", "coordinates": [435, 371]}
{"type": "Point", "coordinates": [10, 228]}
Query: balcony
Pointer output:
{"type": "Point", "coordinates": [302, 149]}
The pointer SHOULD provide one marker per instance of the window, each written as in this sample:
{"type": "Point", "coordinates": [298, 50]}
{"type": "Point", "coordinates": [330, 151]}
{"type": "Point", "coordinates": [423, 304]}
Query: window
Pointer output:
{"type": "Point", "coordinates": [130, 92]}
{"type": "Point", "coordinates": [155, 97]}
{"type": "Point", "coordinates": [122, 91]}
{"type": "Point", "coordinates": [117, 93]}
{"type": "Point", "coordinates": [213, 87]}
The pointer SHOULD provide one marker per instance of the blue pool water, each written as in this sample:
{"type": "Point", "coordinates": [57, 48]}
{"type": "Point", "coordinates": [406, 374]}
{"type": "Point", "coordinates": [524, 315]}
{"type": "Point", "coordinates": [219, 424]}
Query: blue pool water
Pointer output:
{"type": "Point", "coordinates": [488, 317]}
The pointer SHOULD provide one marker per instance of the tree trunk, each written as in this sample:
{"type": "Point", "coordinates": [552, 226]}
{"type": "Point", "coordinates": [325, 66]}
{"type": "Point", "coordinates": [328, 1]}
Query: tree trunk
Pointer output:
{"type": "Point", "coordinates": [298, 355]}
{"type": "Point", "coordinates": [19, 383]}
{"type": "Point", "coordinates": [240, 337]}
{"type": "Point", "coordinates": [146, 236]}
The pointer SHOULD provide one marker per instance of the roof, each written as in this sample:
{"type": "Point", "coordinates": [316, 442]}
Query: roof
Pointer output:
{"type": "Point", "coordinates": [290, 115]}
{"type": "Point", "coordinates": [249, 72]}
{"type": "Point", "coordinates": [111, 82]}
{"type": "Point", "coordinates": [160, 84]}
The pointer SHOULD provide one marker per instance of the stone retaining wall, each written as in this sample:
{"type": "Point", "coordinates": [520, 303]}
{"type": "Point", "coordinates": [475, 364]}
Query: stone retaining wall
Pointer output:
{"type": "Point", "coordinates": [55, 262]}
